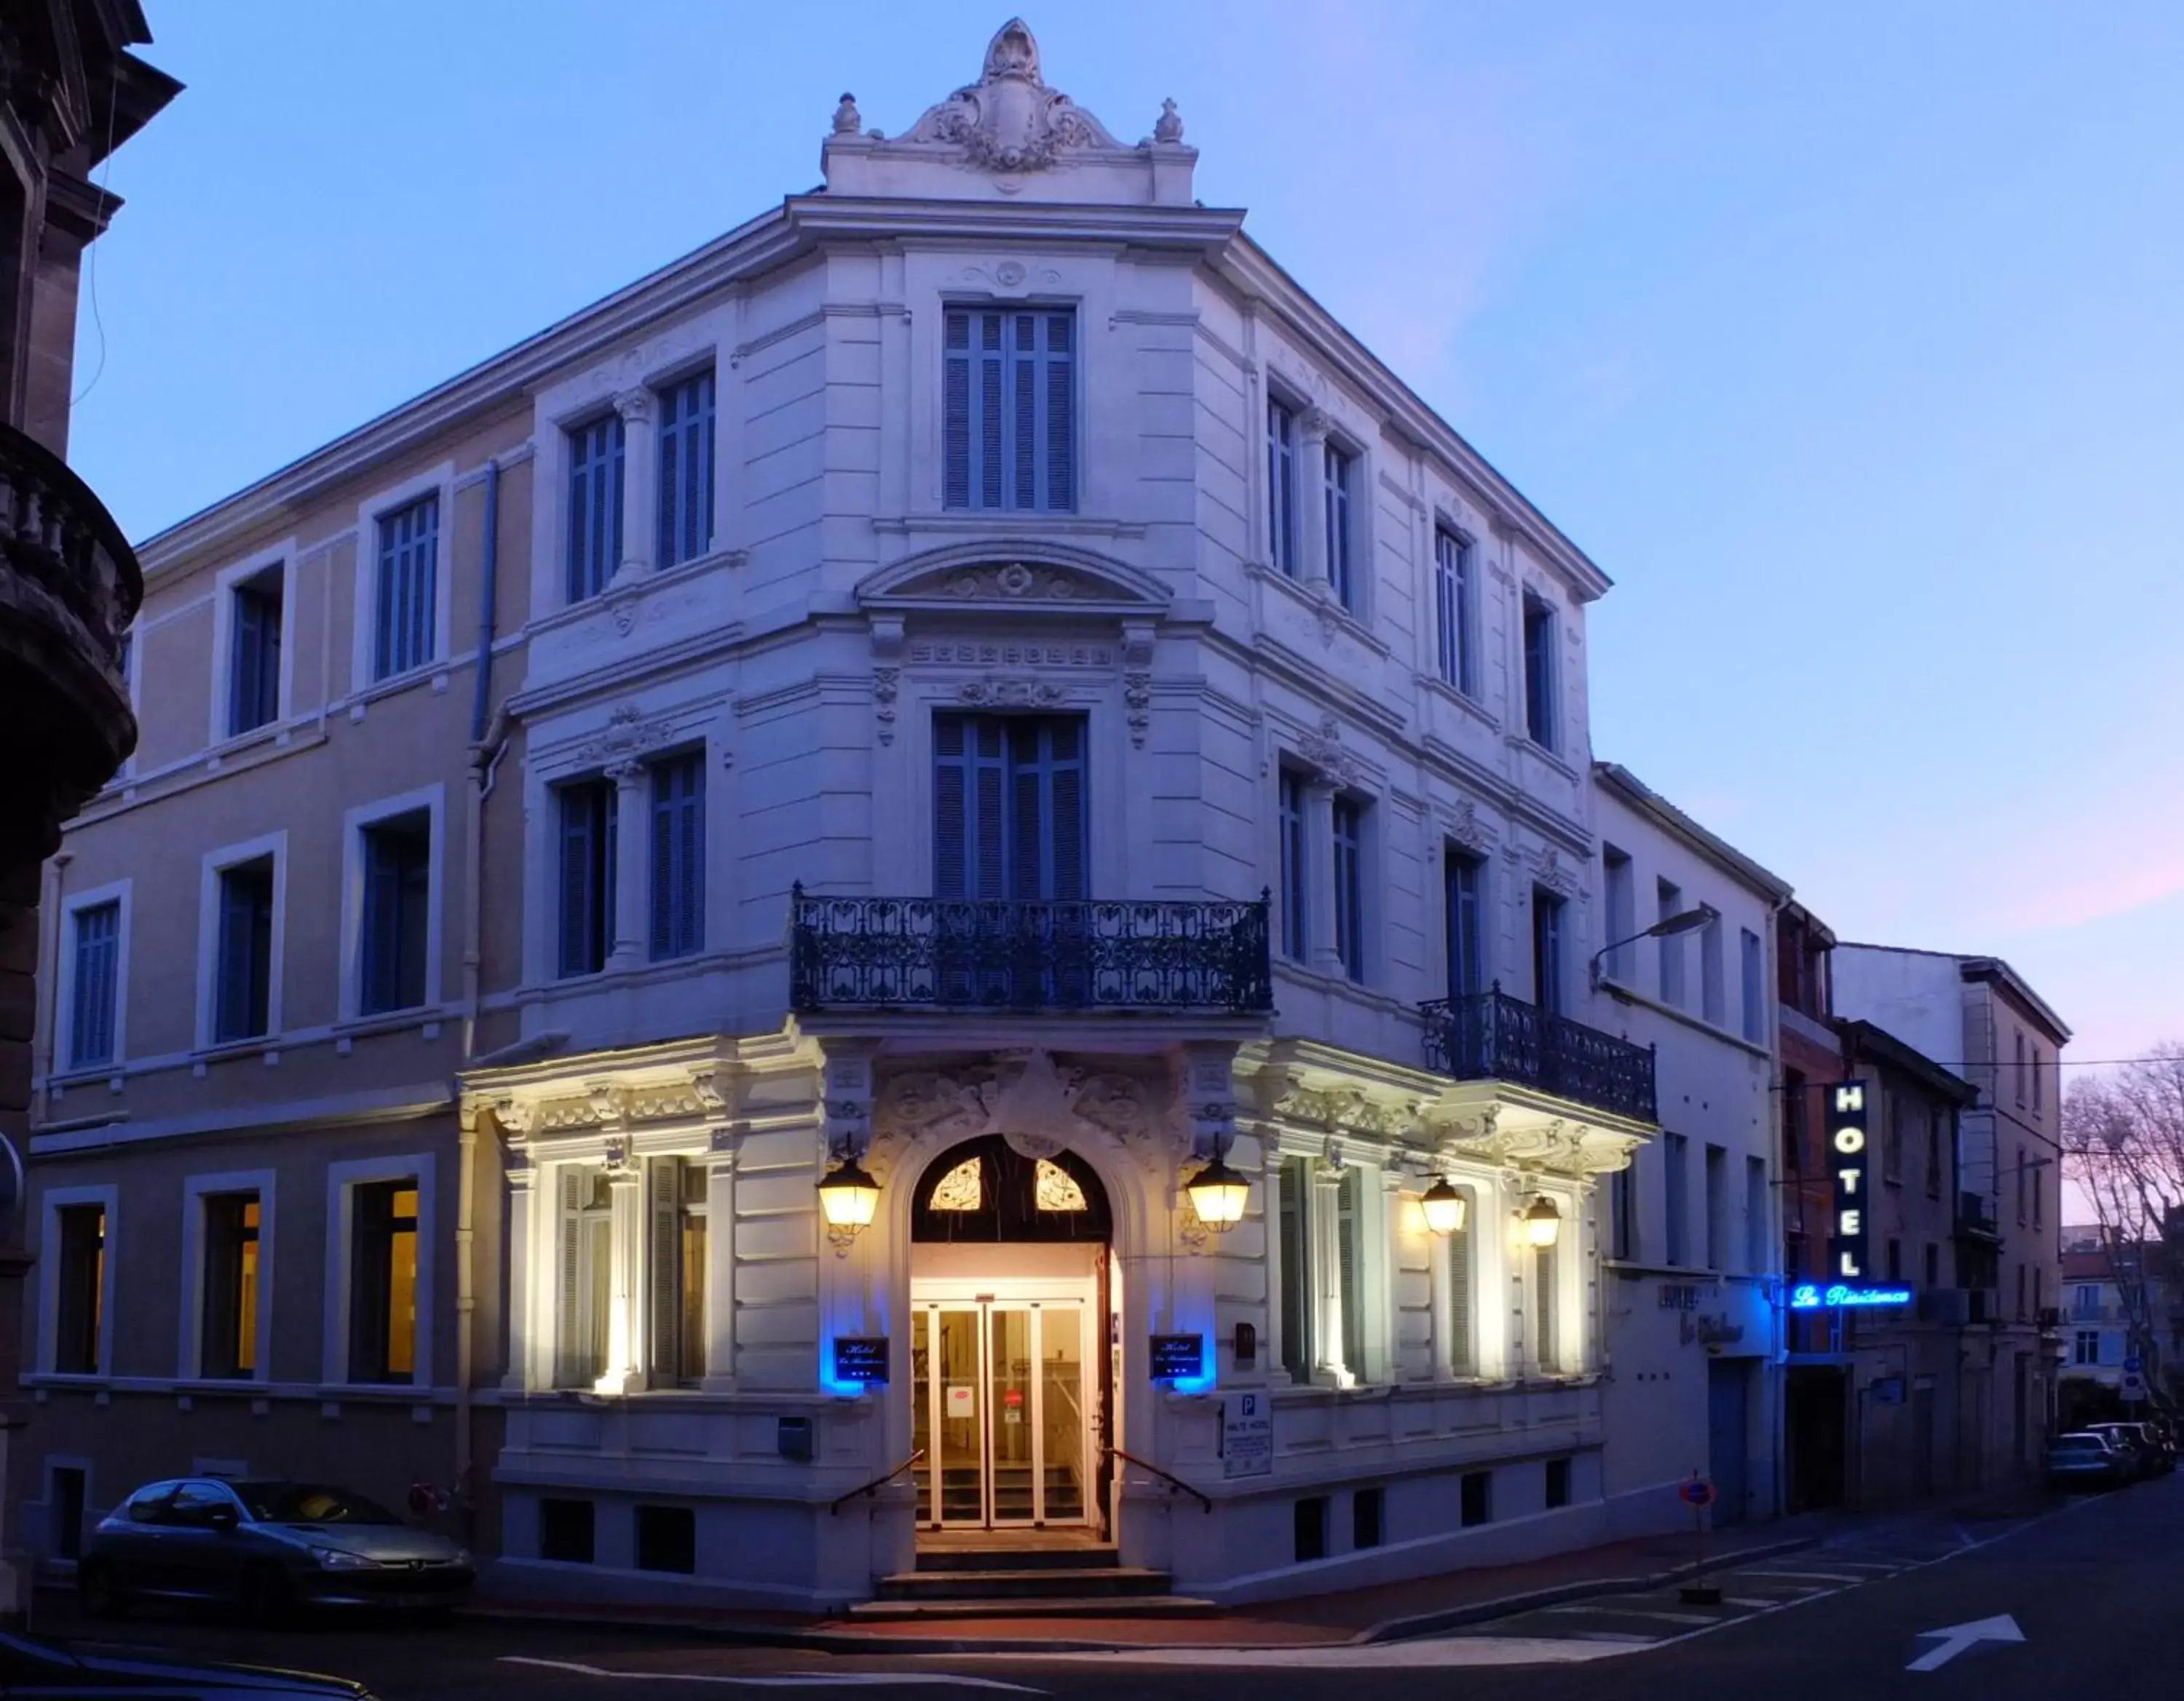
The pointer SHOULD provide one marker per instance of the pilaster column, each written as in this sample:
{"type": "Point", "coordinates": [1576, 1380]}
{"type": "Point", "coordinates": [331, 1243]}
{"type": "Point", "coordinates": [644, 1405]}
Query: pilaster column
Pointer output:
{"type": "Point", "coordinates": [640, 486]}
{"type": "Point", "coordinates": [624, 1371]}
{"type": "Point", "coordinates": [1328, 1272]}
{"type": "Point", "coordinates": [631, 840]}
{"type": "Point", "coordinates": [522, 1199]}
{"type": "Point", "coordinates": [719, 1265]}
{"type": "Point", "coordinates": [1319, 872]}
{"type": "Point", "coordinates": [1312, 495]}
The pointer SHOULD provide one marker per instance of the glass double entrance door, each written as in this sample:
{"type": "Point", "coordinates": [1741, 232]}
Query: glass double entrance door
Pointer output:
{"type": "Point", "coordinates": [1002, 1411]}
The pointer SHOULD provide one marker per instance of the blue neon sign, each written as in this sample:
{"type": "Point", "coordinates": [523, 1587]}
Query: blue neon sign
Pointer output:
{"type": "Point", "coordinates": [1809, 1296]}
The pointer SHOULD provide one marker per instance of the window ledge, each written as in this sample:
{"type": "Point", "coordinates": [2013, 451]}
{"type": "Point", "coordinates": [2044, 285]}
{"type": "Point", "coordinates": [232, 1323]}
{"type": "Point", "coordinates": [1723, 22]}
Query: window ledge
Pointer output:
{"type": "Point", "coordinates": [1434, 686]}
{"type": "Point", "coordinates": [1714, 1030]}
{"type": "Point", "coordinates": [390, 1021]}
{"type": "Point", "coordinates": [1554, 759]}
{"type": "Point", "coordinates": [1317, 596]}
{"type": "Point", "coordinates": [87, 1075]}
{"type": "Point", "coordinates": [436, 670]}
{"type": "Point", "coordinates": [278, 732]}
{"type": "Point", "coordinates": [228, 1051]}
{"type": "Point", "coordinates": [619, 593]}
{"type": "Point", "coordinates": [65, 1379]}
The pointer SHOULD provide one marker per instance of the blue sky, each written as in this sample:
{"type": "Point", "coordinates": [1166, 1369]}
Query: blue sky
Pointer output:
{"type": "Point", "coordinates": [1847, 338]}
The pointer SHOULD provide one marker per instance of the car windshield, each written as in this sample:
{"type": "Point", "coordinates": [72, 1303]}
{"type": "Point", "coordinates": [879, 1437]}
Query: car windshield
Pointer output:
{"type": "Point", "coordinates": [310, 1502]}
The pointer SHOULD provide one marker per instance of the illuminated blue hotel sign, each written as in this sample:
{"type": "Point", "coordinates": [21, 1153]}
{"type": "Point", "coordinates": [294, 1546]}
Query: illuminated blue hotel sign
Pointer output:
{"type": "Point", "coordinates": [1848, 1158]}
{"type": "Point", "coordinates": [1810, 1295]}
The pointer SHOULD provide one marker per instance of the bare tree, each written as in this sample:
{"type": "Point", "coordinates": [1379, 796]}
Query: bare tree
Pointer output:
{"type": "Point", "coordinates": [2123, 1144]}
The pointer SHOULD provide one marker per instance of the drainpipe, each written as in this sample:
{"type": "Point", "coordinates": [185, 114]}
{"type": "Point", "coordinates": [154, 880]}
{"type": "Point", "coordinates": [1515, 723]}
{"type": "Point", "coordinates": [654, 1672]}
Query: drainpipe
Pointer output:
{"type": "Point", "coordinates": [486, 736]}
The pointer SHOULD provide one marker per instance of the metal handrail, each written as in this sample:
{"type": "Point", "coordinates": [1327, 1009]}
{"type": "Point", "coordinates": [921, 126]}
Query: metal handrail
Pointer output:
{"type": "Point", "coordinates": [878, 1483]}
{"type": "Point", "coordinates": [1168, 1477]}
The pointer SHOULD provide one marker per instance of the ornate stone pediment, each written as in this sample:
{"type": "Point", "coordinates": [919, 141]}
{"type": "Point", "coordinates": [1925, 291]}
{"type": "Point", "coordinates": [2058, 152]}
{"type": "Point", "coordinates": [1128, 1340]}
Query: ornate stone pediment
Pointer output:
{"type": "Point", "coordinates": [1017, 578]}
{"type": "Point", "coordinates": [1036, 1105]}
{"type": "Point", "coordinates": [1565, 1148]}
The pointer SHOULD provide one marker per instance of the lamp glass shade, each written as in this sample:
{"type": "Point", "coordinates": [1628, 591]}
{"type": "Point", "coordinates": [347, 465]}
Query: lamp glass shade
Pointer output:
{"type": "Point", "coordinates": [1443, 1207]}
{"type": "Point", "coordinates": [1218, 1193]}
{"type": "Point", "coordinates": [1543, 1223]}
{"type": "Point", "coordinates": [848, 1197]}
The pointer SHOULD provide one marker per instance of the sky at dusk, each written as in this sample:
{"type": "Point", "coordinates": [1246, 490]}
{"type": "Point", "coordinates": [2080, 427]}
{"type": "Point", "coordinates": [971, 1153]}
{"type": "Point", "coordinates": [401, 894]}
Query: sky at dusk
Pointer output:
{"type": "Point", "coordinates": [1846, 338]}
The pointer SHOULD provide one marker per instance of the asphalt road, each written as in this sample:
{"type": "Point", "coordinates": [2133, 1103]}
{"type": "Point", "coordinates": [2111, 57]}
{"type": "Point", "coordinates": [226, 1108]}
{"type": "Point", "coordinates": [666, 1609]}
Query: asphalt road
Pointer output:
{"type": "Point", "coordinates": [2094, 1589]}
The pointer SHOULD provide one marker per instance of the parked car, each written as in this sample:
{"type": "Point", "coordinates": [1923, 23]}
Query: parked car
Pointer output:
{"type": "Point", "coordinates": [268, 1548]}
{"type": "Point", "coordinates": [2086, 1459]}
{"type": "Point", "coordinates": [2153, 1442]}
{"type": "Point", "coordinates": [31, 1665]}
{"type": "Point", "coordinates": [2129, 1439]}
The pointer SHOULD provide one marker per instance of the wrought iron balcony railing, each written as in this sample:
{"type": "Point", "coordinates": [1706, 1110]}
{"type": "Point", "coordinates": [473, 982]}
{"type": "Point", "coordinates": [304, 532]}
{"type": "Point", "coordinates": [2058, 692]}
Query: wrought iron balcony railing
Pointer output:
{"type": "Point", "coordinates": [1489, 1036]}
{"type": "Point", "coordinates": [1085, 954]}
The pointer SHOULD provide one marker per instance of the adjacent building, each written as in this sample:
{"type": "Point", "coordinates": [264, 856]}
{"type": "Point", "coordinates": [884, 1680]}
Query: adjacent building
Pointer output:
{"type": "Point", "coordinates": [72, 92]}
{"type": "Point", "coordinates": [1693, 1230]}
{"type": "Point", "coordinates": [933, 872]}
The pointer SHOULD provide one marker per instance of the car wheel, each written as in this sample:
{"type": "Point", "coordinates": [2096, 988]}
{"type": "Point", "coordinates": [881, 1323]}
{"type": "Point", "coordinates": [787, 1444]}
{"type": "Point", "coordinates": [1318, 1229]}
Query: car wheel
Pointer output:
{"type": "Point", "coordinates": [100, 1592]}
{"type": "Point", "coordinates": [267, 1600]}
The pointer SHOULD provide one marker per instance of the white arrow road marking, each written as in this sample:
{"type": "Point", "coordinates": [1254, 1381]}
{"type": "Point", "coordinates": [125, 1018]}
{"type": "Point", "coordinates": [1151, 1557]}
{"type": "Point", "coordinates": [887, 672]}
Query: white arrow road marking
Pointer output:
{"type": "Point", "coordinates": [1959, 1637]}
{"type": "Point", "coordinates": [798, 1680]}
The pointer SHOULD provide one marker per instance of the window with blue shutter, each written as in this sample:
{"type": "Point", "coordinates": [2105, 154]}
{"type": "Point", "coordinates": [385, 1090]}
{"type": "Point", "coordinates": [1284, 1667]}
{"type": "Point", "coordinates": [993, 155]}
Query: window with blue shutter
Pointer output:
{"type": "Point", "coordinates": [1294, 909]}
{"type": "Point", "coordinates": [679, 856]}
{"type": "Point", "coordinates": [1009, 396]}
{"type": "Point", "coordinates": [595, 497]}
{"type": "Point", "coordinates": [396, 922]}
{"type": "Point", "coordinates": [686, 470]}
{"type": "Point", "coordinates": [1546, 950]}
{"type": "Point", "coordinates": [1349, 885]}
{"type": "Point", "coordinates": [1281, 486]}
{"type": "Point", "coordinates": [97, 986]}
{"type": "Point", "coordinates": [243, 979]}
{"type": "Point", "coordinates": [1461, 875]}
{"type": "Point", "coordinates": [588, 835]}
{"type": "Point", "coordinates": [1009, 812]}
{"type": "Point", "coordinates": [1341, 474]}
{"type": "Point", "coordinates": [405, 632]}
{"type": "Point", "coordinates": [254, 653]}
{"type": "Point", "coordinates": [1540, 672]}
{"type": "Point", "coordinates": [1452, 602]}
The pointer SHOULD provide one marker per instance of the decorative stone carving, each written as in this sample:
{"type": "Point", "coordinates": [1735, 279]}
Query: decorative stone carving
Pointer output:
{"type": "Point", "coordinates": [927, 1098]}
{"type": "Point", "coordinates": [1324, 752]}
{"type": "Point", "coordinates": [621, 609]}
{"type": "Point", "coordinates": [886, 682]}
{"type": "Point", "coordinates": [1462, 825]}
{"type": "Point", "coordinates": [634, 405]}
{"type": "Point", "coordinates": [1114, 1101]}
{"type": "Point", "coordinates": [1010, 121]}
{"type": "Point", "coordinates": [1031, 1110]}
{"type": "Point", "coordinates": [999, 691]}
{"type": "Point", "coordinates": [1346, 1108]}
{"type": "Point", "coordinates": [847, 118]}
{"type": "Point", "coordinates": [1549, 870]}
{"type": "Point", "coordinates": [627, 737]}
{"type": "Point", "coordinates": [1328, 625]}
{"type": "Point", "coordinates": [1167, 128]}
{"type": "Point", "coordinates": [1014, 582]}
{"type": "Point", "coordinates": [1138, 706]}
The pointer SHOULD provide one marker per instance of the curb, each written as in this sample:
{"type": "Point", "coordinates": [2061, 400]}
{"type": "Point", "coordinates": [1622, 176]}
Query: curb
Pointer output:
{"type": "Point", "coordinates": [1388, 1630]}
{"type": "Point", "coordinates": [1508, 1606]}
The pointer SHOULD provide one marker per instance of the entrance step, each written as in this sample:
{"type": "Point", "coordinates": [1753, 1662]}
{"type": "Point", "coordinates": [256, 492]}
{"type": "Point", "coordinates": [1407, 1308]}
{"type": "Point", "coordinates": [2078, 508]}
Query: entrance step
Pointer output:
{"type": "Point", "coordinates": [1075, 1556]}
{"type": "Point", "coordinates": [1060, 1607]}
{"type": "Point", "coordinates": [1042, 1583]}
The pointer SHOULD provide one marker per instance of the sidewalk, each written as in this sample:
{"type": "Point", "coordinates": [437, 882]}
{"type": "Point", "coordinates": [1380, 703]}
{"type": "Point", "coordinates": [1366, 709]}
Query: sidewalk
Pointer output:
{"type": "Point", "coordinates": [1420, 1607]}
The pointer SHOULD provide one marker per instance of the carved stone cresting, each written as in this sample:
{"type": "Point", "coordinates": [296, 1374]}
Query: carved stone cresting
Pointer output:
{"type": "Point", "coordinates": [1010, 121]}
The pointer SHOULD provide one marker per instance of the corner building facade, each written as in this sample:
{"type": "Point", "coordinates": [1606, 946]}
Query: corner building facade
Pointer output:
{"type": "Point", "coordinates": [985, 681]}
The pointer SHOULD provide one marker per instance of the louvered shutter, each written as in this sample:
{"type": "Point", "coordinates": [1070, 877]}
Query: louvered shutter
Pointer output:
{"type": "Point", "coordinates": [91, 1011]}
{"type": "Point", "coordinates": [571, 1339]}
{"type": "Point", "coordinates": [1061, 405]}
{"type": "Point", "coordinates": [664, 816]}
{"type": "Point", "coordinates": [381, 903]}
{"type": "Point", "coordinates": [576, 895]}
{"type": "Point", "coordinates": [956, 402]}
{"type": "Point", "coordinates": [664, 1269]}
{"type": "Point", "coordinates": [233, 1002]}
{"type": "Point", "coordinates": [242, 662]}
{"type": "Point", "coordinates": [1024, 400]}
{"type": "Point", "coordinates": [1461, 1357]}
{"type": "Point", "coordinates": [690, 854]}
{"type": "Point", "coordinates": [413, 894]}
{"type": "Point", "coordinates": [992, 491]}
{"type": "Point", "coordinates": [1066, 822]}
{"type": "Point", "coordinates": [1027, 814]}
{"type": "Point", "coordinates": [679, 856]}
{"type": "Point", "coordinates": [951, 807]}
{"type": "Point", "coordinates": [989, 868]}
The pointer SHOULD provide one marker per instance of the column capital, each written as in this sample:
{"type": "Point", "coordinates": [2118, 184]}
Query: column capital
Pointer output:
{"type": "Point", "coordinates": [634, 405]}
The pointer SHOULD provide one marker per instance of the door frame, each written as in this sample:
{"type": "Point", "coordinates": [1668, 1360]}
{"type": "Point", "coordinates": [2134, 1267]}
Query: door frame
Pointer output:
{"type": "Point", "coordinates": [984, 1295]}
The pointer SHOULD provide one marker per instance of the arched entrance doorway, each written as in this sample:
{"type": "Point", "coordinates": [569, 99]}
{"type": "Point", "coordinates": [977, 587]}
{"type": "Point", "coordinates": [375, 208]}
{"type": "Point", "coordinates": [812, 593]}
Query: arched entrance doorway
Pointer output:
{"type": "Point", "coordinates": [1012, 1373]}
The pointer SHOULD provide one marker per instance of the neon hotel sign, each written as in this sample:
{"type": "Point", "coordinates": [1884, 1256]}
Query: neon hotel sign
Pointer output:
{"type": "Point", "coordinates": [1850, 1266]}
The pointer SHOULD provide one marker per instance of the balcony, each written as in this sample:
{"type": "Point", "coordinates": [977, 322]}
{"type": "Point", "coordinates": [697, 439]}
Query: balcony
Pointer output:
{"type": "Point", "coordinates": [1489, 1036]}
{"type": "Point", "coordinates": [68, 587]}
{"type": "Point", "coordinates": [1086, 954]}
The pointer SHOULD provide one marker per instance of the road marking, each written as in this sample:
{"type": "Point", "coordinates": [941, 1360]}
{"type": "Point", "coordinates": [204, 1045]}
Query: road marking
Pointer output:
{"type": "Point", "coordinates": [799, 1679]}
{"type": "Point", "coordinates": [1959, 1637]}
{"type": "Point", "coordinates": [1628, 1641]}
{"type": "Point", "coordinates": [1805, 1576]}
{"type": "Point", "coordinates": [1640, 1612]}
{"type": "Point", "coordinates": [1424, 1655]}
